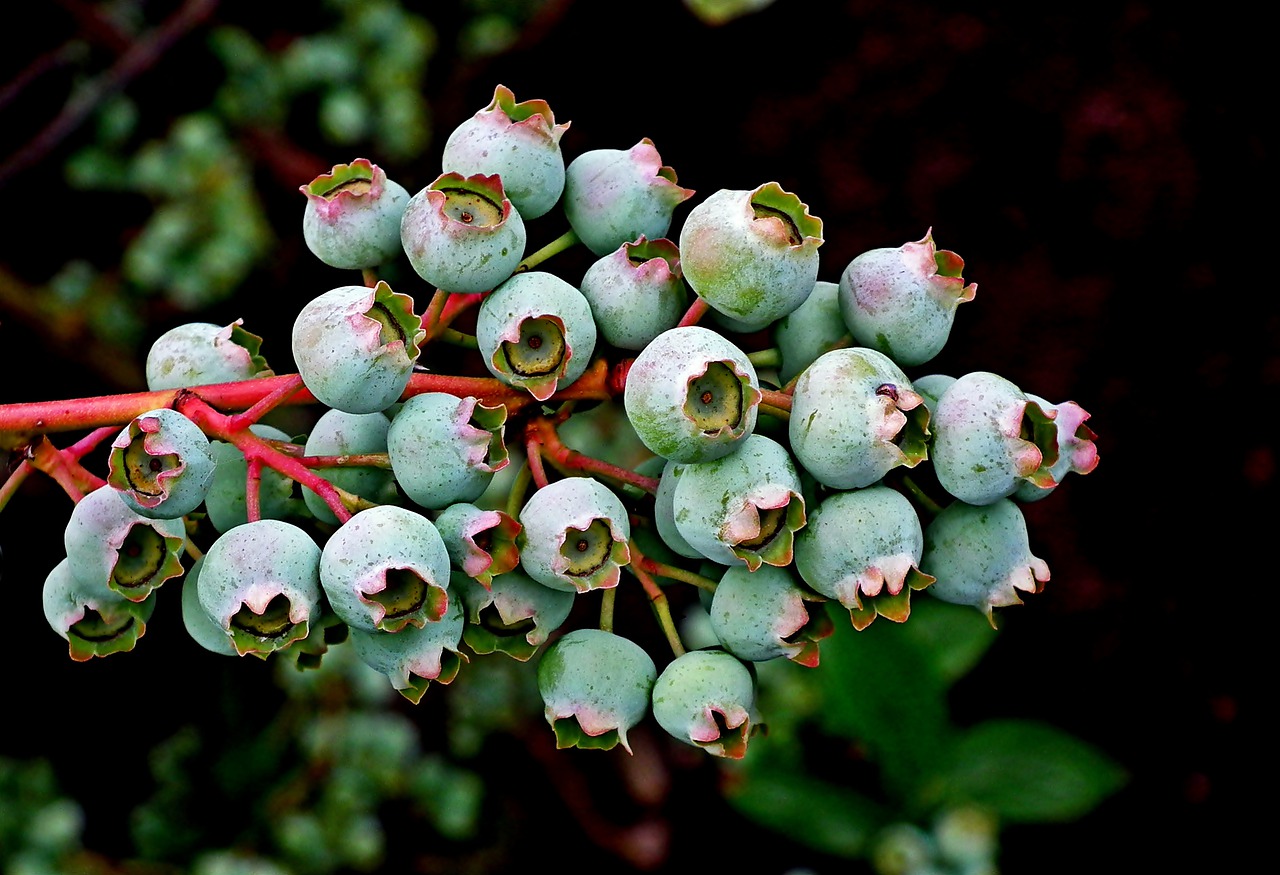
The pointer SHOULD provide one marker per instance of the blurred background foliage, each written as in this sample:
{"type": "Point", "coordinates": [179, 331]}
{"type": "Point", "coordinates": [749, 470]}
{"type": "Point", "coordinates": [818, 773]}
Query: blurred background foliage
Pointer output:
{"type": "Point", "coordinates": [1080, 161]}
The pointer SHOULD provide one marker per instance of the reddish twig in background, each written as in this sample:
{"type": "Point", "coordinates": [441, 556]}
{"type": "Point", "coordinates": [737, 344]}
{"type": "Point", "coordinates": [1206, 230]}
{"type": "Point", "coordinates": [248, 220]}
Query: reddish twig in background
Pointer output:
{"type": "Point", "coordinates": [139, 57]}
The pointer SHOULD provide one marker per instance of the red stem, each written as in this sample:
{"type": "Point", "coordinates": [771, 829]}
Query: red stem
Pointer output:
{"type": "Point", "coordinates": [253, 490]}
{"type": "Point", "coordinates": [544, 433]}
{"type": "Point", "coordinates": [694, 313]}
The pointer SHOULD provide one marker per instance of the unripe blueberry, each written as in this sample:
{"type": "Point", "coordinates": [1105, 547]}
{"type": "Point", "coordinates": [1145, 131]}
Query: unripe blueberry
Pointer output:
{"type": "Point", "coordinates": [520, 142]}
{"type": "Point", "coordinates": [414, 657]}
{"type": "Point", "coordinates": [536, 332]}
{"type": "Point", "coordinates": [481, 543]}
{"type": "Point", "coordinates": [513, 615]}
{"type": "Point", "coordinates": [809, 330]}
{"type": "Point", "coordinates": [94, 620]}
{"type": "Point", "coordinates": [706, 698]}
{"type": "Point", "coordinates": [989, 438]}
{"type": "Point", "coordinates": [903, 301]}
{"type": "Point", "coordinates": [355, 347]}
{"type": "Point", "coordinates": [386, 568]}
{"type": "Point", "coordinates": [199, 625]}
{"type": "Point", "coordinates": [113, 546]}
{"type": "Point", "coordinates": [203, 353]}
{"type": "Point", "coordinates": [162, 464]}
{"type": "Point", "coordinates": [636, 292]}
{"type": "Point", "coordinates": [1077, 451]}
{"type": "Point", "coordinates": [863, 549]}
{"type": "Point", "coordinates": [338, 433]}
{"type": "Point", "coordinates": [352, 218]}
{"type": "Point", "coordinates": [751, 255]}
{"type": "Point", "coordinates": [744, 508]}
{"type": "Point", "coordinates": [692, 395]}
{"type": "Point", "coordinates": [613, 196]}
{"type": "Point", "coordinates": [260, 584]}
{"type": "Point", "coordinates": [664, 512]}
{"type": "Point", "coordinates": [761, 615]}
{"type": "Point", "coordinates": [575, 535]}
{"type": "Point", "coordinates": [462, 234]}
{"type": "Point", "coordinates": [595, 686]}
{"type": "Point", "coordinates": [855, 417]}
{"type": "Point", "coordinates": [930, 387]}
{"type": "Point", "coordinates": [981, 557]}
{"type": "Point", "coordinates": [446, 449]}
{"type": "Point", "coordinates": [226, 502]}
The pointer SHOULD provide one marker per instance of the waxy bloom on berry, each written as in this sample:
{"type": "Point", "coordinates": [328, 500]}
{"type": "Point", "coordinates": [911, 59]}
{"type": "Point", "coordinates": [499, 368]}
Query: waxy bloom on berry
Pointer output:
{"type": "Point", "coordinates": [162, 464]}
{"type": "Point", "coordinates": [519, 142]}
{"type": "Point", "coordinates": [352, 218]}
{"type": "Point", "coordinates": [595, 686]}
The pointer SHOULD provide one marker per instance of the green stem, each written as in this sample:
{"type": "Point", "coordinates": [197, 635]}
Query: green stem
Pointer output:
{"type": "Point", "coordinates": [453, 337]}
{"type": "Point", "coordinates": [674, 572]}
{"type": "Point", "coordinates": [928, 503]}
{"type": "Point", "coordinates": [657, 600]}
{"type": "Point", "coordinates": [606, 608]}
{"type": "Point", "coordinates": [766, 358]}
{"type": "Point", "coordinates": [555, 247]}
{"type": "Point", "coordinates": [519, 488]}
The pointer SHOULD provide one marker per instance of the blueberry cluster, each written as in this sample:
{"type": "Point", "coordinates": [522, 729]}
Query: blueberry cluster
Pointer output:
{"type": "Point", "coordinates": [781, 427]}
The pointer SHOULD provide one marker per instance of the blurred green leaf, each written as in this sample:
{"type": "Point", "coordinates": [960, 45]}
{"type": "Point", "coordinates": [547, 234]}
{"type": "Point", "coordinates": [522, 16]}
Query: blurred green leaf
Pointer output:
{"type": "Point", "coordinates": [882, 689]}
{"type": "Point", "coordinates": [1028, 771]}
{"type": "Point", "coordinates": [825, 816]}
{"type": "Point", "coordinates": [953, 638]}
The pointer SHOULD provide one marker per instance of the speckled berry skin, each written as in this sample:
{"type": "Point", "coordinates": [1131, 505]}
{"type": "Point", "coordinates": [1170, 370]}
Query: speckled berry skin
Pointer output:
{"type": "Point", "coordinates": [636, 292]}
{"type": "Point", "coordinates": [519, 142]}
{"type": "Point", "coordinates": [744, 508]}
{"type": "Point", "coordinates": [260, 584]}
{"type": "Point", "coordinates": [809, 330]}
{"type": "Point", "coordinates": [226, 502]}
{"type": "Point", "coordinates": [863, 549]}
{"type": "Point", "coordinates": [761, 615]}
{"type": "Point", "coordinates": [903, 301]}
{"type": "Point", "coordinates": [162, 464]}
{"type": "Point", "coordinates": [338, 433]}
{"type": "Point", "coordinates": [692, 395]}
{"type": "Point", "coordinates": [855, 417]}
{"type": "Point", "coordinates": [199, 625]}
{"type": "Point", "coordinates": [462, 234]}
{"type": "Point", "coordinates": [446, 449]}
{"type": "Point", "coordinates": [614, 196]}
{"type": "Point", "coordinates": [352, 217]}
{"type": "Point", "coordinates": [384, 569]}
{"type": "Point", "coordinates": [355, 347]}
{"type": "Point", "coordinates": [751, 255]}
{"type": "Point", "coordinates": [595, 686]}
{"type": "Point", "coordinates": [981, 557]}
{"type": "Point", "coordinates": [989, 438]}
{"type": "Point", "coordinates": [664, 512]}
{"type": "Point", "coordinates": [705, 698]}
{"type": "Point", "coordinates": [415, 657]}
{"type": "Point", "coordinates": [575, 535]}
{"type": "Point", "coordinates": [536, 332]}
{"type": "Point", "coordinates": [113, 546]}
{"type": "Point", "coordinates": [204, 353]}
{"type": "Point", "coordinates": [94, 620]}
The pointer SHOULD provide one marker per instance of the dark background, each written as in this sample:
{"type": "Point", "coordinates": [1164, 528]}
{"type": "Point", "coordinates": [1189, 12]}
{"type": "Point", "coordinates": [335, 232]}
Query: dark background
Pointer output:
{"type": "Point", "coordinates": [1102, 170]}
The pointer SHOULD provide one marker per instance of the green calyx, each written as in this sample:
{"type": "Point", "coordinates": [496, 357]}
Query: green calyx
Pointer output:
{"type": "Point", "coordinates": [714, 400]}
{"type": "Point", "coordinates": [475, 201]}
{"type": "Point", "coordinates": [774, 544]}
{"type": "Point", "coordinates": [407, 596]}
{"type": "Point", "coordinates": [394, 314]}
{"type": "Point", "coordinates": [252, 344]}
{"type": "Point", "coordinates": [355, 178]}
{"type": "Point", "coordinates": [268, 632]}
{"type": "Point", "coordinates": [140, 471]}
{"type": "Point", "coordinates": [541, 350]}
{"type": "Point", "coordinates": [145, 559]}
{"type": "Point", "coordinates": [588, 550]}
{"type": "Point", "coordinates": [569, 734]}
{"type": "Point", "coordinates": [771, 202]}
